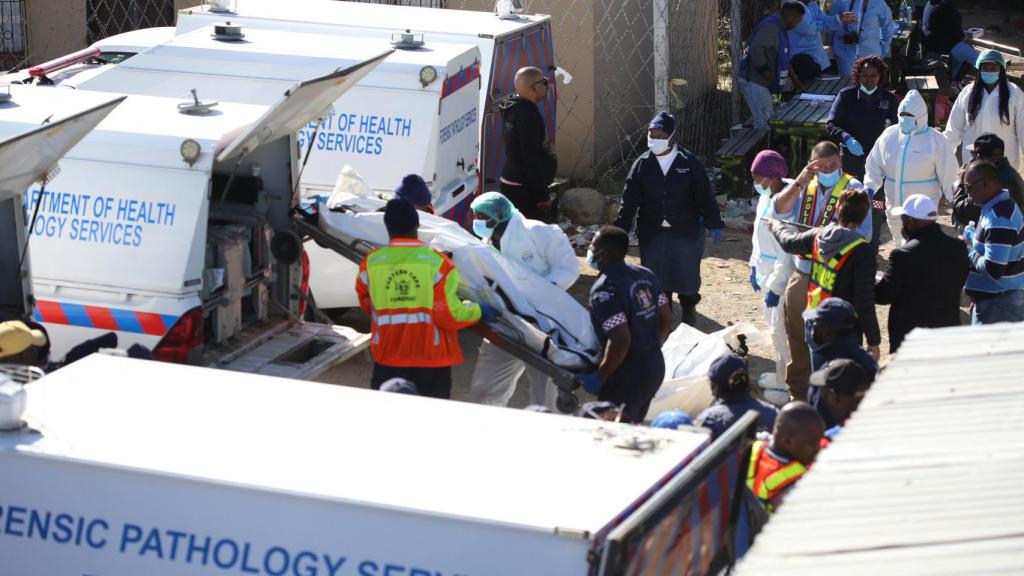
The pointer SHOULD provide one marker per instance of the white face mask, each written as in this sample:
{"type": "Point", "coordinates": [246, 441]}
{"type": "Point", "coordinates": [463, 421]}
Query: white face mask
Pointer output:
{"type": "Point", "coordinates": [658, 145]}
{"type": "Point", "coordinates": [762, 189]}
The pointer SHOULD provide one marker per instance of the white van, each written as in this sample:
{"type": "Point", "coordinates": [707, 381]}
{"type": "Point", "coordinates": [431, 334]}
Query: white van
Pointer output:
{"type": "Point", "coordinates": [28, 156]}
{"type": "Point", "coordinates": [506, 44]}
{"type": "Point", "coordinates": [314, 479]}
{"type": "Point", "coordinates": [417, 112]}
{"type": "Point", "coordinates": [168, 226]}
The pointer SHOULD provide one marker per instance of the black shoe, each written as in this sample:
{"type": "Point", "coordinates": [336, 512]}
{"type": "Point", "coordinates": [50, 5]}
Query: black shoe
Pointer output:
{"type": "Point", "coordinates": [690, 315]}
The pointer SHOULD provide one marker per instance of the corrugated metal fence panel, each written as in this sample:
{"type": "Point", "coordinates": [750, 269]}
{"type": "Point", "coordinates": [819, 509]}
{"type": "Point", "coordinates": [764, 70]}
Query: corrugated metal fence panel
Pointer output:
{"type": "Point", "coordinates": [926, 476]}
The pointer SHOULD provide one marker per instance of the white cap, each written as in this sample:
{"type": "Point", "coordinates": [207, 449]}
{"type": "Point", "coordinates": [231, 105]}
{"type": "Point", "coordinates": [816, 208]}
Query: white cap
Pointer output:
{"type": "Point", "coordinates": [918, 207]}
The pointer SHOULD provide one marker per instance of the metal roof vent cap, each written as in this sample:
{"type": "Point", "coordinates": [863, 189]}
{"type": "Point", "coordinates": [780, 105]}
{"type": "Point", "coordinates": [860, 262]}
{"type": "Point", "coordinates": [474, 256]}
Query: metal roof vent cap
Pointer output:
{"type": "Point", "coordinates": [221, 5]}
{"type": "Point", "coordinates": [12, 403]}
{"type": "Point", "coordinates": [5, 93]}
{"type": "Point", "coordinates": [197, 107]}
{"type": "Point", "coordinates": [228, 32]}
{"type": "Point", "coordinates": [407, 40]}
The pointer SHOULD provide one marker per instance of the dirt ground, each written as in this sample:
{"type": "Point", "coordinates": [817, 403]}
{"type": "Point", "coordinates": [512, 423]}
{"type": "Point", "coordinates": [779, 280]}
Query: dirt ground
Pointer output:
{"type": "Point", "coordinates": [727, 299]}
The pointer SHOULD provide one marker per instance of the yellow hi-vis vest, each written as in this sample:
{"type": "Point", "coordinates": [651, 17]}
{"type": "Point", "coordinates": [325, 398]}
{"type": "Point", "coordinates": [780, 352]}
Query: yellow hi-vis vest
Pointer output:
{"type": "Point", "coordinates": [806, 215]}
{"type": "Point", "coordinates": [823, 274]}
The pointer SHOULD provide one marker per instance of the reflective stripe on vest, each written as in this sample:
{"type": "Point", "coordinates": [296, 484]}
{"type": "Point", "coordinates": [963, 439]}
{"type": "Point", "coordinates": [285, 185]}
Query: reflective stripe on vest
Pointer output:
{"type": "Point", "coordinates": [823, 274]}
{"type": "Point", "coordinates": [806, 215]}
{"type": "Point", "coordinates": [403, 318]}
{"type": "Point", "coordinates": [767, 477]}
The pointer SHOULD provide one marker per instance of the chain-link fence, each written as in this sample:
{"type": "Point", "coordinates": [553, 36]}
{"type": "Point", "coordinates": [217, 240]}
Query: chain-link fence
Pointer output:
{"type": "Point", "coordinates": [109, 17]}
{"type": "Point", "coordinates": [612, 48]}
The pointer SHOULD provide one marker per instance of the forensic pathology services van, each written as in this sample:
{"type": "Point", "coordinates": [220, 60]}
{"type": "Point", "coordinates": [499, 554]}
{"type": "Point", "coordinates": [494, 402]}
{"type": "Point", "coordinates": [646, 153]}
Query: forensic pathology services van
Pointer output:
{"type": "Point", "coordinates": [168, 225]}
{"type": "Point", "coordinates": [417, 112]}
{"type": "Point", "coordinates": [310, 480]}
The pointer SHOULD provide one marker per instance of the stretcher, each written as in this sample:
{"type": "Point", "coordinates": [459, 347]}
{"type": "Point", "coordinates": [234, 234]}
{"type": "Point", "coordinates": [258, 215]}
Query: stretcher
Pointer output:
{"type": "Point", "coordinates": [540, 324]}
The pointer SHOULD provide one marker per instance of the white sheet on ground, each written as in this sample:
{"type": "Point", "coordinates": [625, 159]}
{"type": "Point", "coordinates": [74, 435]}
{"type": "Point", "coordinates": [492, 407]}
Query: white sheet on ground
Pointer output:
{"type": "Point", "coordinates": [537, 313]}
{"type": "Point", "coordinates": [688, 355]}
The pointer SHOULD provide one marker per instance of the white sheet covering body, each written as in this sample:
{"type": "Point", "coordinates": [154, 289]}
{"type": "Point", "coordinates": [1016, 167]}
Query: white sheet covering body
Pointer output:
{"type": "Point", "coordinates": [542, 316]}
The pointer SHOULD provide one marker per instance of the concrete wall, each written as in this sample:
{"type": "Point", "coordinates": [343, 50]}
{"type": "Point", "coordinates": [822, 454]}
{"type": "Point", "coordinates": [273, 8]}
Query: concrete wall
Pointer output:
{"type": "Point", "coordinates": [54, 28]}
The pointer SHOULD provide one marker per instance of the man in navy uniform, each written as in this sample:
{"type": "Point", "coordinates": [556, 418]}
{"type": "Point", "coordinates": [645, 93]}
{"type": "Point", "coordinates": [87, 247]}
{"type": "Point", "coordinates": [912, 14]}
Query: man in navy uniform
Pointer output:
{"type": "Point", "coordinates": [631, 316]}
{"type": "Point", "coordinates": [668, 193]}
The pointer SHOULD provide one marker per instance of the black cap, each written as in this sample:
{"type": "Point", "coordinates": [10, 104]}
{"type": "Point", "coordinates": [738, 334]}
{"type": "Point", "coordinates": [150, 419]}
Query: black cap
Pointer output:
{"type": "Point", "coordinates": [842, 375]}
{"type": "Point", "coordinates": [835, 311]}
{"type": "Point", "coordinates": [987, 145]}
{"type": "Point", "coordinates": [725, 367]}
{"type": "Point", "coordinates": [400, 217]}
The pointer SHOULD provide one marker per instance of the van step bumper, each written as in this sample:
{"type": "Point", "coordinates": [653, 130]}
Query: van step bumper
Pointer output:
{"type": "Point", "coordinates": [301, 351]}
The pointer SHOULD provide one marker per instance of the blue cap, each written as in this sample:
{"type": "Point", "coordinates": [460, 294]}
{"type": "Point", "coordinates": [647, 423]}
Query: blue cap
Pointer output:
{"type": "Point", "coordinates": [399, 386]}
{"type": "Point", "coordinates": [400, 217]}
{"type": "Point", "coordinates": [990, 56]}
{"type": "Point", "coordinates": [494, 205]}
{"type": "Point", "coordinates": [671, 420]}
{"type": "Point", "coordinates": [833, 310]}
{"type": "Point", "coordinates": [663, 121]}
{"type": "Point", "coordinates": [725, 366]}
{"type": "Point", "coordinates": [414, 191]}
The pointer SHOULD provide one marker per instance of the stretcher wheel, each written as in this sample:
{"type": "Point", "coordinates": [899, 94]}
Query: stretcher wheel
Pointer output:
{"type": "Point", "coordinates": [567, 402]}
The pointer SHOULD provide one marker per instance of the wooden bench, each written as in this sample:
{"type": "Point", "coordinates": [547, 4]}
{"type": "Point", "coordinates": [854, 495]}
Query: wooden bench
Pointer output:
{"type": "Point", "coordinates": [734, 159]}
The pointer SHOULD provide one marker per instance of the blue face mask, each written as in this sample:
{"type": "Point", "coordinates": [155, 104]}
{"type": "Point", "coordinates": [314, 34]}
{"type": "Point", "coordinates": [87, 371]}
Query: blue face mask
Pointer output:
{"type": "Point", "coordinates": [868, 91]}
{"type": "Point", "coordinates": [828, 179]}
{"type": "Point", "coordinates": [592, 261]}
{"type": "Point", "coordinates": [481, 229]}
{"type": "Point", "coordinates": [908, 124]}
{"type": "Point", "coordinates": [990, 78]}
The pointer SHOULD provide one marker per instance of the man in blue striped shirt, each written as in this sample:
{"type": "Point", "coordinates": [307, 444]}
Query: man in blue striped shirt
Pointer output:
{"type": "Point", "coordinates": [996, 248]}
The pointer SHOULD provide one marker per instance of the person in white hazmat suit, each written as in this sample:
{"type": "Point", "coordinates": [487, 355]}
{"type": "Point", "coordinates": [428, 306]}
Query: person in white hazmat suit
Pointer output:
{"type": "Point", "coordinates": [910, 158]}
{"type": "Point", "coordinates": [770, 266]}
{"type": "Point", "coordinates": [990, 105]}
{"type": "Point", "coordinates": [546, 250]}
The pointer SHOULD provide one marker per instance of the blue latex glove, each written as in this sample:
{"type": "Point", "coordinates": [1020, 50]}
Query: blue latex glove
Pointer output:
{"type": "Point", "coordinates": [771, 299]}
{"type": "Point", "coordinates": [853, 146]}
{"type": "Point", "coordinates": [969, 231]}
{"type": "Point", "coordinates": [753, 280]}
{"type": "Point", "coordinates": [716, 235]}
{"type": "Point", "coordinates": [591, 382]}
{"type": "Point", "coordinates": [488, 313]}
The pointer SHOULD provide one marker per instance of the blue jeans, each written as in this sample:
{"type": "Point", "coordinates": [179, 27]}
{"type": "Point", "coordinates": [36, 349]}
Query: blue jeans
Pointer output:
{"type": "Point", "coordinates": [1006, 307]}
{"type": "Point", "coordinates": [759, 100]}
{"type": "Point", "coordinates": [962, 52]}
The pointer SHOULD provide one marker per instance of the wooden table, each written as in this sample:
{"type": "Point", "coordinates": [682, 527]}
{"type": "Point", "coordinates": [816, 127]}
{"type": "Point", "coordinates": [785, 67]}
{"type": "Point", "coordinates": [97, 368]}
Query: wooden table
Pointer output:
{"type": "Point", "coordinates": [734, 159]}
{"type": "Point", "coordinates": [928, 86]}
{"type": "Point", "coordinates": [797, 125]}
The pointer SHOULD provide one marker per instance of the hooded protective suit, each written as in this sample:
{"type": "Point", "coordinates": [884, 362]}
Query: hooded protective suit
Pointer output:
{"type": "Point", "coordinates": [773, 268]}
{"type": "Point", "coordinates": [961, 132]}
{"type": "Point", "coordinates": [547, 251]}
{"type": "Point", "coordinates": [921, 162]}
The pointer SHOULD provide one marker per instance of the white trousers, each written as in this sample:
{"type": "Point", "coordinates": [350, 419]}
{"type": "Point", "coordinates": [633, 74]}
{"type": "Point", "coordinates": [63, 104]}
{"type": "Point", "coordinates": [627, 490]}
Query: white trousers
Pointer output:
{"type": "Point", "coordinates": [775, 319]}
{"type": "Point", "coordinates": [496, 375]}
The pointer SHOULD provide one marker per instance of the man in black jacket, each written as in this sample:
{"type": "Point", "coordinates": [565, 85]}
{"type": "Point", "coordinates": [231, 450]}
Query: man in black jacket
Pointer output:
{"type": "Point", "coordinates": [942, 32]}
{"type": "Point", "coordinates": [530, 163]}
{"type": "Point", "coordinates": [986, 147]}
{"type": "Point", "coordinates": [926, 275]}
{"type": "Point", "coordinates": [668, 193]}
{"type": "Point", "coordinates": [843, 263]}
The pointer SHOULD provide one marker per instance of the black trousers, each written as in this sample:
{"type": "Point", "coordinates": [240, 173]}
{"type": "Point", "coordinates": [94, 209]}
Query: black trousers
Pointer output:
{"type": "Point", "coordinates": [525, 200]}
{"type": "Point", "coordinates": [430, 382]}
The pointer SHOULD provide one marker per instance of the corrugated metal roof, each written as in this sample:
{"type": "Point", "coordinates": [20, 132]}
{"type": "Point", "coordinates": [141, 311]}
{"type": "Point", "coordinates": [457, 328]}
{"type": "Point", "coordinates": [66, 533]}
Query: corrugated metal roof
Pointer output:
{"type": "Point", "coordinates": [927, 477]}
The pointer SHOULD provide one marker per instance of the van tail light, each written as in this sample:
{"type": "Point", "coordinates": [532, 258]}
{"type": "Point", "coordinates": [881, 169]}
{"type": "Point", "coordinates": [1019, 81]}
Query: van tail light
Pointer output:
{"type": "Point", "coordinates": [304, 286]}
{"type": "Point", "coordinates": [185, 337]}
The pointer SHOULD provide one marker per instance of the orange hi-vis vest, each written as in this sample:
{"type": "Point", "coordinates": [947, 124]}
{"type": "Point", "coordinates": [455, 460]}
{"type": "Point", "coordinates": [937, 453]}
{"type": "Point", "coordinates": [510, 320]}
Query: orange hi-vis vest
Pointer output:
{"type": "Point", "coordinates": [767, 477]}
{"type": "Point", "coordinates": [409, 291]}
{"type": "Point", "coordinates": [823, 274]}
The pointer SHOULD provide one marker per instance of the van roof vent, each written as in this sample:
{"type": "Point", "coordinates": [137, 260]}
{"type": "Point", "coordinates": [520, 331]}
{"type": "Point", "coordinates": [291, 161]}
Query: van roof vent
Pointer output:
{"type": "Point", "coordinates": [5, 93]}
{"type": "Point", "coordinates": [227, 32]}
{"type": "Point", "coordinates": [407, 40]}
{"type": "Point", "coordinates": [197, 107]}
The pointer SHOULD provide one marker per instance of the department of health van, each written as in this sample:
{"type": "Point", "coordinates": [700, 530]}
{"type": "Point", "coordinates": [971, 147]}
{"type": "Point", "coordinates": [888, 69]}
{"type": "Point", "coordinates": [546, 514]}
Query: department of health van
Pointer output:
{"type": "Point", "coordinates": [168, 225]}
{"type": "Point", "coordinates": [417, 112]}
{"type": "Point", "coordinates": [312, 479]}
